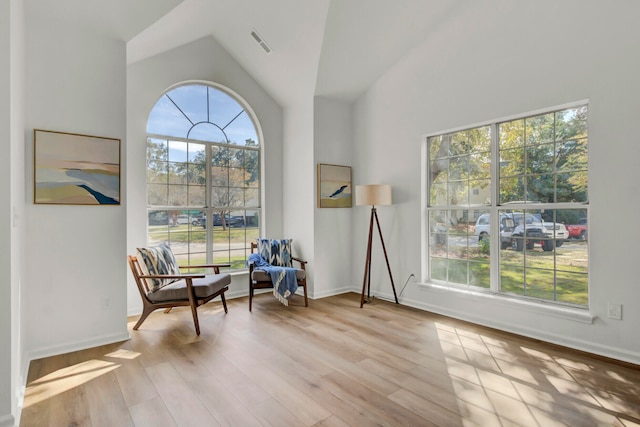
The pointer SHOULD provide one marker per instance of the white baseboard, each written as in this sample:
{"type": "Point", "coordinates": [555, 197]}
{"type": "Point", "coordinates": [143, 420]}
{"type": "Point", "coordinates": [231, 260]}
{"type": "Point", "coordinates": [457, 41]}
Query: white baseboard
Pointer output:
{"type": "Point", "coordinates": [331, 292]}
{"type": "Point", "coordinates": [7, 421]}
{"type": "Point", "coordinates": [565, 341]}
{"type": "Point", "coordinates": [78, 345]}
{"type": "Point", "coordinates": [22, 387]}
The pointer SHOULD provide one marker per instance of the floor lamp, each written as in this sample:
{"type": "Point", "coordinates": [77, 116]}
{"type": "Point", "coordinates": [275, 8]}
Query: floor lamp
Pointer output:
{"type": "Point", "coordinates": [373, 195]}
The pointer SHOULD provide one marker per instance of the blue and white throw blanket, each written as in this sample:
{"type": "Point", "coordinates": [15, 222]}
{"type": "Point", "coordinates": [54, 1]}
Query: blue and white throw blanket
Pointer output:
{"type": "Point", "coordinates": [284, 279]}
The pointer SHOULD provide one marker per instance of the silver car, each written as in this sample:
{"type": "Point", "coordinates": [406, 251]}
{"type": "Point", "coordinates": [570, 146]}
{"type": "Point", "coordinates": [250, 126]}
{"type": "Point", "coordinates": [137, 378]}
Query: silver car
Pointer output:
{"type": "Point", "coordinates": [560, 233]}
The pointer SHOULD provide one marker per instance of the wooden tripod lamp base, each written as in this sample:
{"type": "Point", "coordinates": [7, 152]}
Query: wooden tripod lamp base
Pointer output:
{"type": "Point", "coordinates": [374, 195]}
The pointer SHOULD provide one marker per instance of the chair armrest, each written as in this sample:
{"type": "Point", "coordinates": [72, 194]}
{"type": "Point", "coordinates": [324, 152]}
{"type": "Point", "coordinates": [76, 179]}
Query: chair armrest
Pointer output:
{"type": "Point", "coordinates": [302, 262]}
{"type": "Point", "coordinates": [172, 276]}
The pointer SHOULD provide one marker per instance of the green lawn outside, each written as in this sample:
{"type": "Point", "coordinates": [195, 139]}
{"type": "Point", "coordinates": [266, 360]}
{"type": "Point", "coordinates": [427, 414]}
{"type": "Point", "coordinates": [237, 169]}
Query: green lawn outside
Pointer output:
{"type": "Point", "coordinates": [235, 243]}
{"type": "Point", "coordinates": [237, 263]}
{"type": "Point", "coordinates": [458, 269]}
{"type": "Point", "coordinates": [185, 233]}
{"type": "Point", "coordinates": [472, 268]}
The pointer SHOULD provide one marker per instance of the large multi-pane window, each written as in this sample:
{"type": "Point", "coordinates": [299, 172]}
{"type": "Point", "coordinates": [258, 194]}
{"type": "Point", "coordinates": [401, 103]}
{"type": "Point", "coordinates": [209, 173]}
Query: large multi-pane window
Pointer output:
{"type": "Point", "coordinates": [507, 207]}
{"type": "Point", "coordinates": [203, 176]}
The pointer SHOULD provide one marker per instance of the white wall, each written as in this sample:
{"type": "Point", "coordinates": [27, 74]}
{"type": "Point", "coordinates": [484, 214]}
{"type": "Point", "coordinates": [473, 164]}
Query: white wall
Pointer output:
{"type": "Point", "coordinates": [332, 227]}
{"type": "Point", "coordinates": [298, 186]}
{"type": "Point", "coordinates": [496, 62]}
{"type": "Point", "coordinates": [17, 167]}
{"type": "Point", "coordinates": [12, 166]}
{"type": "Point", "coordinates": [147, 80]}
{"type": "Point", "coordinates": [75, 274]}
{"type": "Point", "coordinates": [6, 319]}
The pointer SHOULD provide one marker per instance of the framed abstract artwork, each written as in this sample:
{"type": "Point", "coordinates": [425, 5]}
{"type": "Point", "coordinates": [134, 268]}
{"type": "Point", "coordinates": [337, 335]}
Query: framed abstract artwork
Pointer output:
{"type": "Point", "coordinates": [334, 186]}
{"type": "Point", "coordinates": [73, 169]}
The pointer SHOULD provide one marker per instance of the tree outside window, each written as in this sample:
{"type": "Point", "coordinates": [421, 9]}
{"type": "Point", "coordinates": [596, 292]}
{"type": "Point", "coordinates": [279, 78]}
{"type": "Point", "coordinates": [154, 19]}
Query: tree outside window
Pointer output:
{"type": "Point", "coordinates": [514, 218]}
{"type": "Point", "coordinates": [203, 176]}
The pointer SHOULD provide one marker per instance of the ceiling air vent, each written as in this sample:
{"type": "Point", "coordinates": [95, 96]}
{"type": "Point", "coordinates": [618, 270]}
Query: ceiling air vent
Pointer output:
{"type": "Point", "coordinates": [260, 41]}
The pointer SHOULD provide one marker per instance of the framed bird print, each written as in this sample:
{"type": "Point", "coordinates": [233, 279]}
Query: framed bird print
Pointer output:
{"type": "Point", "coordinates": [334, 186]}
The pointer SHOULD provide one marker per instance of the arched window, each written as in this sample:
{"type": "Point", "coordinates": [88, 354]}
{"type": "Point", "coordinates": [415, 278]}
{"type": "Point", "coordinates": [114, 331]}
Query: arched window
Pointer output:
{"type": "Point", "coordinates": [203, 175]}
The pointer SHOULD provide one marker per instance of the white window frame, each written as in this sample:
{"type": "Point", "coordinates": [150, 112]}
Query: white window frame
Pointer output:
{"type": "Point", "coordinates": [493, 209]}
{"type": "Point", "coordinates": [209, 209]}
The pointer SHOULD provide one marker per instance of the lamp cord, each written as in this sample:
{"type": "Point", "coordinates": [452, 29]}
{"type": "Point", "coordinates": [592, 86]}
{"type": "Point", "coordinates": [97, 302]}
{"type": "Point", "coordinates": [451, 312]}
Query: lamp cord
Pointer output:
{"type": "Point", "coordinates": [405, 284]}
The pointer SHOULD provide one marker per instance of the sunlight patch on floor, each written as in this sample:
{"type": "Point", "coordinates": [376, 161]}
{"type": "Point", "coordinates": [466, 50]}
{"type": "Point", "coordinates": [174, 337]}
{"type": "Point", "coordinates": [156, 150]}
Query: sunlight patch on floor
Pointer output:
{"type": "Point", "coordinates": [123, 354]}
{"type": "Point", "coordinates": [65, 379]}
{"type": "Point", "coordinates": [512, 391]}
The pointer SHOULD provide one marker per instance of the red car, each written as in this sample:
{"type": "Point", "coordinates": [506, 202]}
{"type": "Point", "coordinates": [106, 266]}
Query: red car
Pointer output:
{"type": "Point", "coordinates": [579, 230]}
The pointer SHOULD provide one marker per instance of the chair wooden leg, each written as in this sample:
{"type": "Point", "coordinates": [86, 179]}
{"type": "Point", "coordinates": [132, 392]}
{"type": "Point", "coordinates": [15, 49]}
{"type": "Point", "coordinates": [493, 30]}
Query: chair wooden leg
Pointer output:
{"type": "Point", "coordinates": [194, 311]}
{"type": "Point", "coordinates": [224, 302]}
{"type": "Point", "coordinates": [250, 296]}
{"type": "Point", "coordinates": [304, 287]}
{"type": "Point", "coordinates": [146, 311]}
{"type": "Point", "coordinates": [194, 306]}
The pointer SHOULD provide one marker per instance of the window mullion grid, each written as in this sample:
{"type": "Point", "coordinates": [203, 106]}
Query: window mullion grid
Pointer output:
{"type": "Point", "coordinates": [532, 200]}
{"type": "Point", "coordinates": [228, 206]}
{"type": "Point", "coordinates": [467, 203]}
{"type": "Point", "coordinates": [527, 174]}
{"type": "Point", "coordinates": [494, 242]}
{"type": "Point", "coordinates": [527, 177]}
{"type": "Point", "coordinates": [207, 204]}
{"type": "Point", "coordinates": [209, 208]}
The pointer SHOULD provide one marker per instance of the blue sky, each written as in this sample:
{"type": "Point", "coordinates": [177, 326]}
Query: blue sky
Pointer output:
{"type": "Point", "coordinates": [219, 113]}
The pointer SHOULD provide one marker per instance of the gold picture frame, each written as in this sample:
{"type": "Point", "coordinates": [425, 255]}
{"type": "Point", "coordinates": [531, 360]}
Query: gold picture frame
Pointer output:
{"type": "Point", "coordinates": [334, 186]}
{"type": "Point", "coordinates": [75, 169]}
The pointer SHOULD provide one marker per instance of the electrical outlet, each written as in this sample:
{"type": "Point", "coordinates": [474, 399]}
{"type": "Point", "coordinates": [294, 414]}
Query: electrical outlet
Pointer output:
{"type": "Point", "coordinates": [614, 311]}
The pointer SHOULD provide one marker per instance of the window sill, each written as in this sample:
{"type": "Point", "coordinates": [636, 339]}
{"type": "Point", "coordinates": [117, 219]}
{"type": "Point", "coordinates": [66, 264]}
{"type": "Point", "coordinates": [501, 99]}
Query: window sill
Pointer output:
{"type": "Point", "coordinates": [242, 272]}
{"type": "Point", "coordinates": [542, 307]}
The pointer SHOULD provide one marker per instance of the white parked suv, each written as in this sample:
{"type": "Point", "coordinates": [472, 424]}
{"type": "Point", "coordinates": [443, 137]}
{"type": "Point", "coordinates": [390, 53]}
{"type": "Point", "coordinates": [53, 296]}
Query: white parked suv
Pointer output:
{"type": "Point", "coordinates": [518, 231]}
{"type": "Point", "coordinates": [506, 228]}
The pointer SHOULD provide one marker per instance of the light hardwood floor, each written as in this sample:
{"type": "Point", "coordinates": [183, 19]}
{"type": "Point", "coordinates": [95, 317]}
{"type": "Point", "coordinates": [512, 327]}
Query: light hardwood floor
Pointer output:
{"type": "Point", "coordinates": [331, 364]}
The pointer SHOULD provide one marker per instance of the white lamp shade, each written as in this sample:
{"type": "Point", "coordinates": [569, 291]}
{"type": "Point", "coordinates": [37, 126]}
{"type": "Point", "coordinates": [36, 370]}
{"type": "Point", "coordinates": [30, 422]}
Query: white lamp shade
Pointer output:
{"type": "Point", "coordinates": [374, 195]}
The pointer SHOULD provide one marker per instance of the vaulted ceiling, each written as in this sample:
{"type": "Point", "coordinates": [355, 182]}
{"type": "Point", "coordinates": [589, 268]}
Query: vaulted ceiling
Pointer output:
{"type": "Point", "coordinates": [334, 48]}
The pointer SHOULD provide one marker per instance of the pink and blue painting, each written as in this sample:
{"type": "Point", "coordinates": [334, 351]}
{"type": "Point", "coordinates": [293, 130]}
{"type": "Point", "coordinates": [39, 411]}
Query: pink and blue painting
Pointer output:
{"type": "Point", "coordinates": [72, 169]}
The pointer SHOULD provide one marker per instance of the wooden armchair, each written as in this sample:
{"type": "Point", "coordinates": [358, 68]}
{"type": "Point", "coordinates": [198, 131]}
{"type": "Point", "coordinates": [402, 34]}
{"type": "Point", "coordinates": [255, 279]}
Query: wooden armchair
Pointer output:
{"type": "Point", "coordinates": [259, 279]}
{"type": "Point", "coordinates": [161, 289]}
